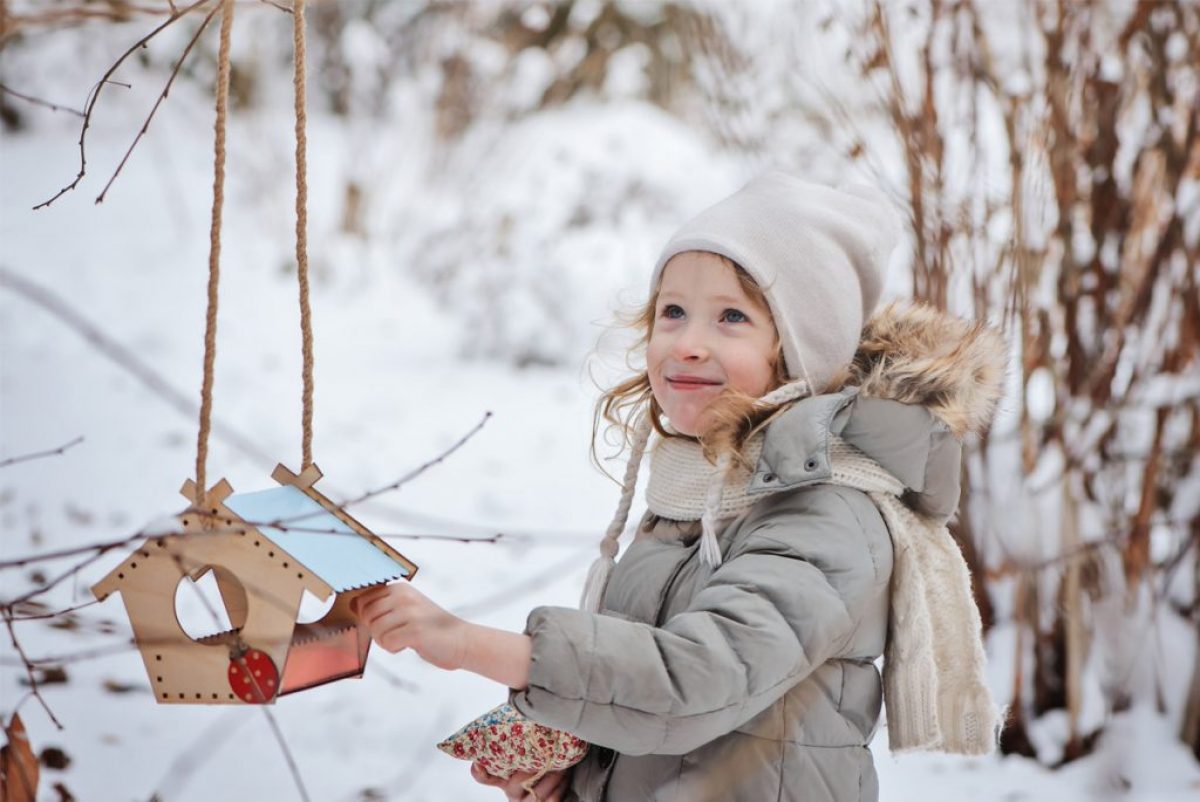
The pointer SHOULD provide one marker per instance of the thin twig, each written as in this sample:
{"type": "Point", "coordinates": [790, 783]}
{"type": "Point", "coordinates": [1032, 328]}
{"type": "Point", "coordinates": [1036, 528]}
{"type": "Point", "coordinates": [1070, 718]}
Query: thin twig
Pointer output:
{"type": "Point", "coordinates": [20, 562]}
{"type": "Point", "coordinates": [178, 400]}
{"type": "Point", "coordinates": [287, 754]}
{"type": "Point", "coordinates": [162, 96]}
{"type": "Point", "coordinates": [502, 596]}
{"type": "Point", "coordinates": [55, 614]}
{"type": "Point", "coordinates": [316, 530]}
{"type": "Point", "coordinates": [33, 685]}
{"type": "Point", "coordinates": [408, 477]}
{"type": "Point", "coordinates": [37, 455]}
{"type": "Point", "coordinates": [399, 682]}
{"type": "Point", "coordinates": [95, 96]}
{"type": "Point", "coordinates": [76, 657]}
{"type": "Point", "coordinates": [108, 545]}
{"type": "Point", "coordinates": [125, 358]}
{"type": "Point", "coordinates": [70, 572]}
{"type": "Point", "coordinates": [21, 702]}
{"type": "Point", "coordinates": [206, 745]}
{"type": "Point", "coordinates": [39, 102]}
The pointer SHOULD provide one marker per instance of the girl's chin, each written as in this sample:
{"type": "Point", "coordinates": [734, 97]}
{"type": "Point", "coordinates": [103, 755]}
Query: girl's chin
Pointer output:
{"type": "Point", "coordinates": [690, 425]}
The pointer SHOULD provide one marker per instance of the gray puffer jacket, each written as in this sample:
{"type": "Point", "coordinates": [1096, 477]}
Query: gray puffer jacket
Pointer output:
{"type": "Point", "coordinates": [755, 681]}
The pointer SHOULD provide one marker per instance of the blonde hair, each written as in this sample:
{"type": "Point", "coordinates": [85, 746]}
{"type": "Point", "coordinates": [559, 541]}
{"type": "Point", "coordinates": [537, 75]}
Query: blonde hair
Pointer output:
{"type": "Point", "coordinates": [736, 416]}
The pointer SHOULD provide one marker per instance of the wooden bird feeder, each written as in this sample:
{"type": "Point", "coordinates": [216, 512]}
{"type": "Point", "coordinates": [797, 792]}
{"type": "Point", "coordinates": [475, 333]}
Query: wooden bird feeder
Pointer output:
{"type": "Point", "coordinates": [261, 571]}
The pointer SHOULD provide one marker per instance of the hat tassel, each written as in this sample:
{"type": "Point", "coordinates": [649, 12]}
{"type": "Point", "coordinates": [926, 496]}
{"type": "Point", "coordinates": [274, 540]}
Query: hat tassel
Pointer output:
{"type": "Point", "coordinates": [598, 574]}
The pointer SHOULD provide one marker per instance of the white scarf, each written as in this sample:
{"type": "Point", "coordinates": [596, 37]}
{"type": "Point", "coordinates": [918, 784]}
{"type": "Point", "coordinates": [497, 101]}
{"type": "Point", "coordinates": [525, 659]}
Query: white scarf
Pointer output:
{"type": "Point", "coordinates": [680, 478]}
{"type": "Point", "coordinates": [934, 688]}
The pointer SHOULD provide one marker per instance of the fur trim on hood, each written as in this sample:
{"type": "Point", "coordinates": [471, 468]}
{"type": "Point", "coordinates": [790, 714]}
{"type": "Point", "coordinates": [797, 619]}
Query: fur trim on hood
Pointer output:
{"type": "Point", "coordinates": [916, 354]}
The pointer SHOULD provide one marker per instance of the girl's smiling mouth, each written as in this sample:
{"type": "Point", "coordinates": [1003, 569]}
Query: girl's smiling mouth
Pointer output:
{"type": "Point", "coordinates": [683, 381]}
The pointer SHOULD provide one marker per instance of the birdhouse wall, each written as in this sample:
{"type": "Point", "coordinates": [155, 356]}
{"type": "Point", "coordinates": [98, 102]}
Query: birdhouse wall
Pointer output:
{"type": "Point", "coordinates": [332, 648]}
{"type": "Point", "coordinates": [261, 585]}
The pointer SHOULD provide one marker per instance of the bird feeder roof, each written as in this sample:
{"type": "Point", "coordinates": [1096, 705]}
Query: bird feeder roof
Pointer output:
{"type": "Point", "coordinates": [336, 553]}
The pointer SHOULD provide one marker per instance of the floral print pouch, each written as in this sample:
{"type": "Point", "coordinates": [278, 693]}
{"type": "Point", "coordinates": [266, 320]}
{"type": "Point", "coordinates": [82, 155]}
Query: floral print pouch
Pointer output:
{"type": "Point", "coordinates": [503, 741]}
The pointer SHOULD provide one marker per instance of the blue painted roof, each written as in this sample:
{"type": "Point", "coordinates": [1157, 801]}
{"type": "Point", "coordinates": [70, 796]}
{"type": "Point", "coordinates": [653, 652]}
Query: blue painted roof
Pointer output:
{"type": "Point", "coordinates": [341, 557]}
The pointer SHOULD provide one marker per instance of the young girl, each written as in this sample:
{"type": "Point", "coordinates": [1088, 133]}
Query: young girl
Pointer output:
{"type": "Point", "coordinates": [730, 654]}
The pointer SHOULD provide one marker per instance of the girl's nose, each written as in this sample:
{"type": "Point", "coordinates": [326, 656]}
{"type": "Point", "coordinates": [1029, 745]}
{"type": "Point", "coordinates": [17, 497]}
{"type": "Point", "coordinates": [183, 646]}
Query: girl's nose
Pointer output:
{"type": "Point", "coordinates": [690, 344]}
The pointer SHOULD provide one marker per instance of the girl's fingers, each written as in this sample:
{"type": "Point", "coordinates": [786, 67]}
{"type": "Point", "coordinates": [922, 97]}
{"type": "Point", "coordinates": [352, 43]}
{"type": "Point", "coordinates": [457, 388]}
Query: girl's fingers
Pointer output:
{"type": "Point", "coordinates": [480, 774]}
{"type": "Point", "coordinates": [391, 632]}
{"type": "Point", "coordinates": [371, 609]}
{"type": "Point", "coordinates": [551, 787]}
{"type": "Point", "coordinates": [367, 596]}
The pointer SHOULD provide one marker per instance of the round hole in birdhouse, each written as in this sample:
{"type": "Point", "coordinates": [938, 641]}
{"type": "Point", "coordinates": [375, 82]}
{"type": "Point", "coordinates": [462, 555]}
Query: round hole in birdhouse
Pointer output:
{"type": "Point", "coordinates": [213, 605]}
{"type": "Point", "coordinates": [285, 565]}
{"type": "Point", "coordinates": [160, 679]}
{"type": "Point", "coordinates": [313, 609]}
{"type": "Point", "coordinates": [133, 565]}
{"type": "Point", "coordinates": [270, 554]}
{"type": "Point", "coordinates": [158, 657]}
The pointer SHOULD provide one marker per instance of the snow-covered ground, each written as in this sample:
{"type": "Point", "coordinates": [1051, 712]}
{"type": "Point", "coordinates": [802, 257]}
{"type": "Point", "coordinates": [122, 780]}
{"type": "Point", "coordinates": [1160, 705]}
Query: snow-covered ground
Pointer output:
{"type": "Point", "coordinates": [402, 371]}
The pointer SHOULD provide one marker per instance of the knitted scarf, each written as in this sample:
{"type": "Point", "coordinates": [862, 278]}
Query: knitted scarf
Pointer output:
{"type": "Point", "coordinates": [933, 673]}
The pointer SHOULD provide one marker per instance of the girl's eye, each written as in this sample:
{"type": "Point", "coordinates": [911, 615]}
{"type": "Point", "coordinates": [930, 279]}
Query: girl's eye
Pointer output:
{"type": "Point", "coordinates": [672, 311]}
{"type": "Point", "coordinates": [734, 316]}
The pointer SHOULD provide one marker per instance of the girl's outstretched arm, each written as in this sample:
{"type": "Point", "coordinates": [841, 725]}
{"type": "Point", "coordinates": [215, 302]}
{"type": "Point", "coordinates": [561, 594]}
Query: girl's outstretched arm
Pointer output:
{"type": "Point", "coordinates": [400, 617]}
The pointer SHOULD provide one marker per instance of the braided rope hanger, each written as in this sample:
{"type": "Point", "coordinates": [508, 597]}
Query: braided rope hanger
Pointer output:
{"type": "Point", "coordinates": [214, 256]}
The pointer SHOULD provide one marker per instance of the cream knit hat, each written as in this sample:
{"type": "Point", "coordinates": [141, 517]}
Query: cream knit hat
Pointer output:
{"type": "Point", "coordinates": [820, 255]}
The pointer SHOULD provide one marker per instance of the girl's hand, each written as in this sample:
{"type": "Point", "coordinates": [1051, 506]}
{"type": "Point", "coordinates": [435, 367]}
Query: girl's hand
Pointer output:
{"type": "Point", "coordinates": [400, 617]}
{"type": "Point", "coordinates": [551, 788]}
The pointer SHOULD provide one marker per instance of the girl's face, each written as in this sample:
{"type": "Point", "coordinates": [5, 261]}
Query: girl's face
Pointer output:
{"type": "Point", "coordinates": [707, 335]}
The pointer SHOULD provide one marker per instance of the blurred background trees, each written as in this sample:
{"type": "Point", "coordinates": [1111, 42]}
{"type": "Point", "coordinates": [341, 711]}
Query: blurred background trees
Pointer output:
{"type": "Point", "coordinates": [1051, 158]}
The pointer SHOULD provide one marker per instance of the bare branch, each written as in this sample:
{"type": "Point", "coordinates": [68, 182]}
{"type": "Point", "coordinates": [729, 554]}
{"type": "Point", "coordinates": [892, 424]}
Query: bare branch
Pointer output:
{"type": "Point", "coordinates": [33, 685]}
{"type": "Point", "coordinates": [55, 614]}
{"type": "Point", "coordinates": [163, 96]}
{"type": "Point", "coordinates": [37, 455]}
{"type": "Point", "coordinates": [287, 754]}
{"type": "Point", "coordinates": [74, 657]}
{"type": "Point", "coordinates": [71, 551]}
{"type": "Point", "coordinates": [72, 571]}
{"type": "Point", "coordinates": [420, 469]}
{"type": "Point", "coordinates": [38, 102]}
{"type": "Point", "coordinates": [104, 80]}
{"type": "Point", "coordinates": [125, 358]}
{"type": "Point", "coordinates": [109, 545]}
{"type": "Point", "coordinates": [202, 750]}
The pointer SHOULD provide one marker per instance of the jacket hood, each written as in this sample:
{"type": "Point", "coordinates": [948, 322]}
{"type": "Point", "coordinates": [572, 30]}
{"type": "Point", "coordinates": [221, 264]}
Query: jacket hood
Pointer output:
{"type": "Point", "coordinates": [920, 381]}
{"type": "Point", "coordinates": [916, 354]}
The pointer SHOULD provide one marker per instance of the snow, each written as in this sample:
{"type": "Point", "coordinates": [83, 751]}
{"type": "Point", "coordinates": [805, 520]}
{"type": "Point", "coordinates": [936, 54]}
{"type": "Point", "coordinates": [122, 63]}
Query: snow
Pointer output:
{"type": "Point", "coordinates": [485, 280]}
